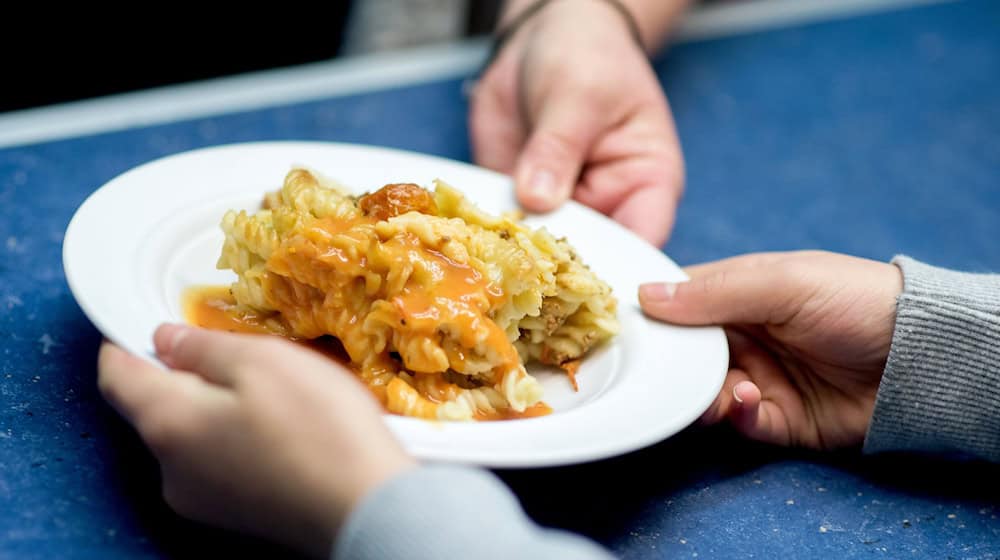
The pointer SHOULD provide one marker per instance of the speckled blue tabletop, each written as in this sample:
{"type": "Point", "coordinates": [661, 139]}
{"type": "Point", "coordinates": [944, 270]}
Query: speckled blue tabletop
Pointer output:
{"type": "Point", "coordinates": [873, 136]}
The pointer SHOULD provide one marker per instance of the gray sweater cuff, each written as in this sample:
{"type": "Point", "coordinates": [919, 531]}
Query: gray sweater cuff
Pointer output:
{"type": "Point", "coordinates": [940, 391]}
{"type": "Point", "coordinates": [444, 512]}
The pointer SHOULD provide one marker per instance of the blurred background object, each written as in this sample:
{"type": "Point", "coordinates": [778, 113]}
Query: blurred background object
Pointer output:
{"type": "Point", "coordinates": [101, 53]}
{"type": "Point", "coordinates": [381, 25]}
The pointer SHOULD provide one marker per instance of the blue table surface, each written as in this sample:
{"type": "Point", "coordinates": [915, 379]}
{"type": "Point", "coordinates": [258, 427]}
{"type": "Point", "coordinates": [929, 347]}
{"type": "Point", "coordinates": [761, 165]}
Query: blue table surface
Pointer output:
{"type": "Point", "coordinates": [874, 135]}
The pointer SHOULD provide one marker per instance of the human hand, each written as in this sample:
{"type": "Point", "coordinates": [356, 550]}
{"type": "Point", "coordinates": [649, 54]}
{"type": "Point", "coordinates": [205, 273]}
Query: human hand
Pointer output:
{"type": "Point", "coordinates": [809, 334]}
{"type": "Point", "coordinates": [571, 107]}
{"type": "Point", "coordinates": [254, 433]}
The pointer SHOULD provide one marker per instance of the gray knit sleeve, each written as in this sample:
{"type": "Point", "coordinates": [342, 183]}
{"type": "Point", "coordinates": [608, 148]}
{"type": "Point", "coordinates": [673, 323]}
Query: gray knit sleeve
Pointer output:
{"type": "Point", "coordinates": [941, 388]}
{"type": "Point", "coordinates": [445, 512]}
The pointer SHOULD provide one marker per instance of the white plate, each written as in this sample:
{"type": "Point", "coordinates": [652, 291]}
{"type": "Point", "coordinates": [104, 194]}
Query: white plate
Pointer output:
{"type": "Point", "coordinates": [138, 241]}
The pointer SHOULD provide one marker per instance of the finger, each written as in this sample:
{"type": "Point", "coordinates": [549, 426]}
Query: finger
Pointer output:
{"type": "Point", "coordinates": [724, 403]}
{"type": "Point", "coordinates": [649, 213]}
{"type": "Point", "coordinates": [763, 403]}
{"type": "Point", "coordinates": [224, 358]}
{"type": "Point", "coordinates": [722, 295]}
{"type": "Point", "coordinates": [213, 355]}
{"type": "Point", "coordinates": [640, 153]}
{"type": "Point", "coordinates": [549, 166]}
{"type": "Point", "coordinates": [749, 261]}
{"type": "Point", "coordinates": [624, 160]}
{"type": "Point", "coordinates": [746, 394]}
{"type": "Point", "coordinates": [496, 131]}
{"type": "Point", "coordinates": [756, 418]}
{"type": "Point", "coordinates": [131, 384]}
{"type": "Point", "coordinates": [640, 192]}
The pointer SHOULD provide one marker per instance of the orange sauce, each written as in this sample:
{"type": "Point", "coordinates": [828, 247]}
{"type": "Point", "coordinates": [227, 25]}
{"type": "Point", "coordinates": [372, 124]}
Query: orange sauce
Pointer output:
{"type": "Point", "coordinates": [571, 367]}
{"type": "Point", "coordinates": [213, 307]}
{"type": "Point", "coordinates": [533, 411]}
{"type": "Point", "coordinates": [461, 296]}
{"type": "Point", "coordinates": [309, 272]}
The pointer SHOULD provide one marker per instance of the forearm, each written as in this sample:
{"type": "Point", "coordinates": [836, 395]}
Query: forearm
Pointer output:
{"type": "Point", "coordinates": [941, 387]}
{"type": "Point", "coordinates": [655, 18]}
{"type": "Point", "coordinates": [442, 513]}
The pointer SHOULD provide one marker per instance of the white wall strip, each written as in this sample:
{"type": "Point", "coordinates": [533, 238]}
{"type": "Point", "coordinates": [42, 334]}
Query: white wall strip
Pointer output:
{"type": "Point", "coordinates": [238, 93]}
{"type": "Point", "coordinates": [757, 15]}
{"type": "Point", "coordinates": [365, 73]}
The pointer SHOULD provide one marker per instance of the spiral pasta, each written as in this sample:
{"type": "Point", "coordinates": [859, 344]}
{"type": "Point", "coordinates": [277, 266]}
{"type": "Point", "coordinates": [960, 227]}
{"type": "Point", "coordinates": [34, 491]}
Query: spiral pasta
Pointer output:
{"type": "Point", "coordinates": [437, 304]}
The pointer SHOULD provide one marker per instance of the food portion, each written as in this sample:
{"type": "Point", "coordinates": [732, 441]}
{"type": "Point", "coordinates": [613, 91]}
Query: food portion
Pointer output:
{"type": "Point", "coordinates": [437, 304]}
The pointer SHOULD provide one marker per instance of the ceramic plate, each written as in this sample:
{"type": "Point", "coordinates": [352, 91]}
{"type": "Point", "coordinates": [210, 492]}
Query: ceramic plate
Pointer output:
{"type": "Point", "coordinates": [140, 240]}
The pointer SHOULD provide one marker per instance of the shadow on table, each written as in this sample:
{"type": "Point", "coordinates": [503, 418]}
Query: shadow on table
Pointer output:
{"type": "Point", "coordinates": [137, 485]}
{"type": "Point", "coordinates": [128, 518]}
{"type": "Point", "coordinates": [604, 499]}
{"type": "Point", "coordinates": [607, 499]}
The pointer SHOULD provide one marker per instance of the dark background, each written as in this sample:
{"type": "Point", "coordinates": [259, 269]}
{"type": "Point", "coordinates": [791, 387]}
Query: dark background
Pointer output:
{"type": "Point", "coordinates": [113, 53]}
{"type": "Point", "coordinates": [51, 57]}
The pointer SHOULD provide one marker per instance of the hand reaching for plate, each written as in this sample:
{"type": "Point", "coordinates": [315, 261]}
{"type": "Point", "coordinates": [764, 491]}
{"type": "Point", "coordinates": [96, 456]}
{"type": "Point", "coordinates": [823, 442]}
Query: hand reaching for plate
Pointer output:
{"type": "Point", "coordinates": [254, 433]}
{"type": "Point", "coordinates": [571, 107]}
{"type": "Point", "coordinates": [809, 334]}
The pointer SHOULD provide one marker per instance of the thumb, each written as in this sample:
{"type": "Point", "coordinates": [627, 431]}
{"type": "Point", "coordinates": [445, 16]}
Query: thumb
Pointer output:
{"type": "Point", "coordinates": [496, 134]}
{"type": "Point", "coordinates": [215, 356]}
{"type": "Point", "coordinates": [549, 166]}
{"type": "Point", "coordinates": [724, 295]}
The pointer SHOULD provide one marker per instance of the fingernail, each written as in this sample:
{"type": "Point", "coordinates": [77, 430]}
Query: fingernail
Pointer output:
{"type": "Point", "coordinates": [658, 291]}
{"type": "Point", "coordinates": [736, 397]}
{"type": "Point", "coordinates": [543, 185]}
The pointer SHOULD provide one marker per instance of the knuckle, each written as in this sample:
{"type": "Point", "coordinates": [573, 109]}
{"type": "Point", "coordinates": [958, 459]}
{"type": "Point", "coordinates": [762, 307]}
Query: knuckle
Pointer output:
{"type": "Point", "coordinates": [159, 438]}
{"type": "Point", "coordinates": [163, 431]}
{"type": "Point", "coordinates": [266, 351]}
{"type": "Point", "coordinates": [175, 497]}
{"type": "Point", "coordinates": [108, 389]}
{"type": "Point", "coordinates": [795, 272]}
{"type": "Point", "coordinates": [583, 81]}
{"type": "Point", "coordinates": [814, 254]}
{"type": "Point", "coordinates": [258, 355]}
{"type": "Point", "coordinates": [480, 103]}
{"type": "Point", "coordinates": [710, 287]}
{"type": "Point", "coordinates": [266, 356]}
{"type": "Point", "coordinates": [714, 283]}
{"type": "Point", "coordinates": [556, 144]}
{"type": "Point", "coordinates": [675, 175]}
{"type": "Point", "coordinates": [594, 87]}
{"type": "Point", "coordinates": [671, 179]}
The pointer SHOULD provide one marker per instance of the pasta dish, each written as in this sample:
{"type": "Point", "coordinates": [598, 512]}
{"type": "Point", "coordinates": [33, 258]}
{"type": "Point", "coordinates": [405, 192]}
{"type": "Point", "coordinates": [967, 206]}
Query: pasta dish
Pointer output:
{"type": "Point", "coordinates": [437, 304]}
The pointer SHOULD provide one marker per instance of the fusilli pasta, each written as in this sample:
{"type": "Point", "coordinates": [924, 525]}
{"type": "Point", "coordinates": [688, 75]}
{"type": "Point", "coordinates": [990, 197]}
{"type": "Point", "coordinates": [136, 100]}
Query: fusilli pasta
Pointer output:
{"type": "Point", "coordinates": [437, 304]}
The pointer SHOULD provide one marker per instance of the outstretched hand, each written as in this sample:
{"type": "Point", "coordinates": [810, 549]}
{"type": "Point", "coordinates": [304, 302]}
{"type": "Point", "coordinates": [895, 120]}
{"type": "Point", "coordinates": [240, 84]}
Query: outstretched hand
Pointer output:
{"type": "Point", "coordinates": [809, 334]}
{"type": "Point", "coordinates": [254, 433]}
{"type": "Point", "coordinates": [572, 108]}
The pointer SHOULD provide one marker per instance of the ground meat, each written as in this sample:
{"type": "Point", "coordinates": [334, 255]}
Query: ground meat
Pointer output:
{"type": "Point", "coordinates": [396, 199]}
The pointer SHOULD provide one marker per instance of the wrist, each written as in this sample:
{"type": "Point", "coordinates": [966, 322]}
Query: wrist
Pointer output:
{"type": "Point", "coordinates": [388, 466]}
{"type": "Point", "coordinates": [653, 18]}
{"type": "Point", "coordinates": [523, 17]}
{"type": "Point", "coordinates": [378, 474]}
